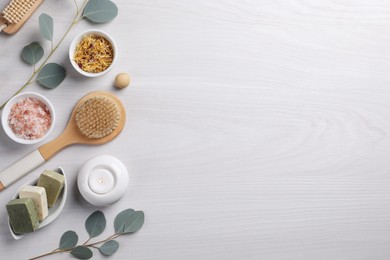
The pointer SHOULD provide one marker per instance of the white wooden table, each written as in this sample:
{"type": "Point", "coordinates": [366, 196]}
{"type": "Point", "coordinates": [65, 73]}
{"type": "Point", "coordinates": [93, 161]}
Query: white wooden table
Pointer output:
{"type": "Point", "coordinates": [255, 129]}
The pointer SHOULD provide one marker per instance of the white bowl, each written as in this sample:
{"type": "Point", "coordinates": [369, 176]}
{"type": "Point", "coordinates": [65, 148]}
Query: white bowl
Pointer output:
{"type": "Point", "coordinates": [78, 38]}
{"type": "Point", "coordinates": [6, 111]}
{"type": "Point", "coordinates": [54, 211]}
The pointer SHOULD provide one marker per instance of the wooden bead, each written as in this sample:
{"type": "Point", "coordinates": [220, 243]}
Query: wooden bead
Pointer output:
{"type": "Point", "coordinates": [122, 80]}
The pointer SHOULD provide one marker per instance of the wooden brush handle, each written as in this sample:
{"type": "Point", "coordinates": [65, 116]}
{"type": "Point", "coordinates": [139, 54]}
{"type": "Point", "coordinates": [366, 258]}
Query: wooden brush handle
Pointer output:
{"type": "Point", "coordinates": [71, 135]}
{"type": "Point", "coordinates": [51, 148]}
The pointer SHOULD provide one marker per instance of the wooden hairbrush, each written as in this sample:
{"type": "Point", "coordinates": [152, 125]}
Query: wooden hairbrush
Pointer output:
{"type": "Point", "coordinates": [16, 13]}
{"type": "Point", "coordinates": [97, 118]}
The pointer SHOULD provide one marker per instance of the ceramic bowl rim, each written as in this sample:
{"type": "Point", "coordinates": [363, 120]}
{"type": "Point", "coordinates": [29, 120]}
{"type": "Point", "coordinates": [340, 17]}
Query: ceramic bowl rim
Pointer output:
{"type": "Point", "coordinates": [6, 111]}
{"type": "Point", "coordinates": [78, 38]}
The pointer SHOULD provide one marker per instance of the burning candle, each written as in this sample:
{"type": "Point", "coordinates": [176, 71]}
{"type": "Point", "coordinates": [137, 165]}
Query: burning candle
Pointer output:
{"type": "Point", "coordinates": [103, 180]}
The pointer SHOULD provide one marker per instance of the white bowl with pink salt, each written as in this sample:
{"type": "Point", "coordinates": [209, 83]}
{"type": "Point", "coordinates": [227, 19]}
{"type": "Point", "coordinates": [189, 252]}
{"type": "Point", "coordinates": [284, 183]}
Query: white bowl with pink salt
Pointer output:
{"type": "Point", "coordinates": [28, 118]}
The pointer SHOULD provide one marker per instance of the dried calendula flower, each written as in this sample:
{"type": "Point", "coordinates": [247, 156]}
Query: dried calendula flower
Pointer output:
{"type": "Point", "coordinates": [93, 54]}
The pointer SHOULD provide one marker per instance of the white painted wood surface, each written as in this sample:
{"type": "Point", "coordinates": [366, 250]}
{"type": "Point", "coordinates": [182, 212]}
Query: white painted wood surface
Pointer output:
{"type": "Point", "coordinates": [255, 129]}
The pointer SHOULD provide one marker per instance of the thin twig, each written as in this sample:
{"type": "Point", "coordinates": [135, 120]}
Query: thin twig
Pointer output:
{"type": "Point", "coordinates": [77, 6]}
{"type": "Point", "coordinates": [105, 240]}
{"type": "Point", "coordinates": [51, 253]}
{"type": "Point", "coordinates": [86, 241]}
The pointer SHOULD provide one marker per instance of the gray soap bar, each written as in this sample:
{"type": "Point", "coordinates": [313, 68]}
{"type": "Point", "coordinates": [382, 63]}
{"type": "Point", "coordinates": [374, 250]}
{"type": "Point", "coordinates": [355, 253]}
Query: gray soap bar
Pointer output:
{"type": "Point", "coordinates": [22, 215]}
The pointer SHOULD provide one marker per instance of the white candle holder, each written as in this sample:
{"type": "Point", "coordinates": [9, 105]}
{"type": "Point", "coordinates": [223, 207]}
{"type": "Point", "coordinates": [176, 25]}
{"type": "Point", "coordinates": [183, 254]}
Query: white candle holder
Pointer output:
{"type": "Point", "coordinates": [103, 180]}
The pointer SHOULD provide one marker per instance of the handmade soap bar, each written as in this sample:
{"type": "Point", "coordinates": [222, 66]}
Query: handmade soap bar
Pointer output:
{"type": "Point", "coordinates": [38, 195]}
{"type": "Point", "coordinates": [22, 215]}
{"type": "Point", "coordinates": [53, 182]}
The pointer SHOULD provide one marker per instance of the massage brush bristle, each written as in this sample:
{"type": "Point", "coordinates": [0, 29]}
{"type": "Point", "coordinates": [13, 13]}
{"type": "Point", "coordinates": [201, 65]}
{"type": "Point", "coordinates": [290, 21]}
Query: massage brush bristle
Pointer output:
{"type": "Point", "coordinates": [17, 9]}
{"type": "Point", "coordinates": [98, 117]}
{"type": "Point", "coordinates": [16, 13]}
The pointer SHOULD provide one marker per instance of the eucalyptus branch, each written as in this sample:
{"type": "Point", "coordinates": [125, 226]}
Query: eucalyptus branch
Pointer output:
{"type": "Point", "coordinates": [93, 245]}
{"type": "Point", "coordinates": [126, 222]}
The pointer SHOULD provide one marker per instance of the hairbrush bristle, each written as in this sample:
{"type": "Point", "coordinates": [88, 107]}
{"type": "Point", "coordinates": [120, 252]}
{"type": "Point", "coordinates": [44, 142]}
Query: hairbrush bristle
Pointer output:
{"type": "Point", "coordinates": [17, 9]}
{"type": "Point", "coordinates": [98, 117]}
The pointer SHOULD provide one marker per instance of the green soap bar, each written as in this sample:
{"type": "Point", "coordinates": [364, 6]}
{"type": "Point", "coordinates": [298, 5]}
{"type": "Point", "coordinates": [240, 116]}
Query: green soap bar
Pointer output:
{"type": "Point", "coordinates": [22, 215]}
{"type": "Point", "coordinates": [53, 182]}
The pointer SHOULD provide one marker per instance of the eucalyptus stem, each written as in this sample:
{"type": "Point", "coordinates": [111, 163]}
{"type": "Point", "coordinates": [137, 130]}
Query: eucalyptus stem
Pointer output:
{"type": "Point", "coordinates": [86, 241]}
{"type": "Point", "coordinates": [76, 19]}
{"type": "Point", "coordinates": [93, 245]}
{"type": "Point", "coordinates": [102, 241]}
{"type": "Point", "coordinates": [56, 251]}
{"type": "Point", "coordinates": [77, 6]}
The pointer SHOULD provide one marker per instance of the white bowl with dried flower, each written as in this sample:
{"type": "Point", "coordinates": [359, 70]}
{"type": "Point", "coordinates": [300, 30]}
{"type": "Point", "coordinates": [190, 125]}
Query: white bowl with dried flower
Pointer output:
{"type": "Point", "coordinates": [93, 53]}
{"type": "Point", "coordinates": [28, 118]}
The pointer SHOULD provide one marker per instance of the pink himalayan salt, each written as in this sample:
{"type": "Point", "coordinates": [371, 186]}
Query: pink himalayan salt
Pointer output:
{"type": "Point", "coordinates": [29, 119]}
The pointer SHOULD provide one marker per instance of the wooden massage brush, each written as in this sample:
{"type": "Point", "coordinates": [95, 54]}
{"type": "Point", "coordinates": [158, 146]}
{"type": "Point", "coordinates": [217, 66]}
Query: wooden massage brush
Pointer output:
{"type": "Point", "coordinates": [16, 13]}
{"type": "Point", "coordinates": [97, 118]}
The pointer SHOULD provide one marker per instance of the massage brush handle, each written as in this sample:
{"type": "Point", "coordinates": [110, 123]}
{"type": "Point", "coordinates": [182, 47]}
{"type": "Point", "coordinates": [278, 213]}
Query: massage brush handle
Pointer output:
{"type": "Point", "coordinates": [32, 161]}
{"type": "Point", "coordinates": [20, 168]}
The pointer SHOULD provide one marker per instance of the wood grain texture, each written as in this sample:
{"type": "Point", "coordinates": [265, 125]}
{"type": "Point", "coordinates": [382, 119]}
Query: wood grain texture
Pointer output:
{"type": "Point", "coordinates": [255, 129]}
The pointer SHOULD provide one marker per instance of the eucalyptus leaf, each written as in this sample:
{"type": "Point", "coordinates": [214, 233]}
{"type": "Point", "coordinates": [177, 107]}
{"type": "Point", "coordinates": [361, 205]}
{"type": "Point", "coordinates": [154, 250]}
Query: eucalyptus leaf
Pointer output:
{"type": "Point", "coordinates": [82, 252]}
{"type": "Point", "coordinates": [95, 224]}
{"type": "Point", "coordinates": [120, 220]}
{"type": "Point", "coordinates": [46, 26]}
{"type": "Point", "coordinates": [32, 53]}
{"type": "Point", "coordinates": [109, 248]}
{"type": "Point", "coordinates": [68, 240]}
{"type": "Point", "coordinates": [100, 11]}
{"type": "Point", "coordinates": [51, 75]}
{"type": "Point", "coordinates": [134, 222]}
